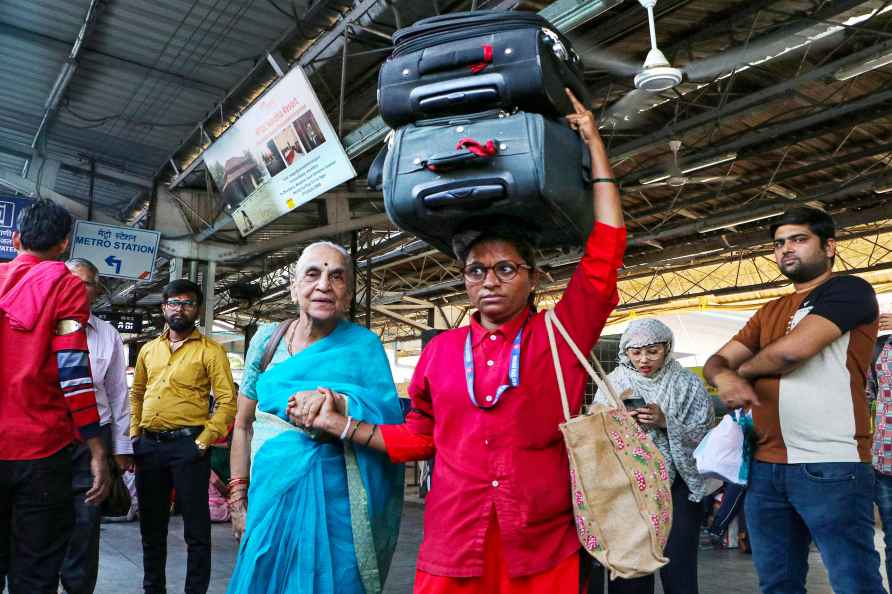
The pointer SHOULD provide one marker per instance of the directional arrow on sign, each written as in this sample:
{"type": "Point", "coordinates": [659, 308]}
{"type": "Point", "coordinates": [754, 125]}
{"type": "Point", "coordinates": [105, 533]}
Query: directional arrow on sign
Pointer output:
{"type": "Point", "coordinates": [112, 261]}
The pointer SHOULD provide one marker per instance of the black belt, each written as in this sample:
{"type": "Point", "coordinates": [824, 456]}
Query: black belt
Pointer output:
{"type": "Point", "coordinates": [173, 434]}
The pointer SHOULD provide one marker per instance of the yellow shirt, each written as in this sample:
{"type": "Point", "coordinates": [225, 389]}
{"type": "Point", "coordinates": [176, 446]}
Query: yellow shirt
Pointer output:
{"type": "Point", "coordinates": [172, 390]}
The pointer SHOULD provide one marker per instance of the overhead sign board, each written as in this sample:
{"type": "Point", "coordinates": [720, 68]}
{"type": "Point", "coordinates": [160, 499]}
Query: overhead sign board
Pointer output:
{"type": "Point", "coordinates": [123, 322]}
{"type": "Point", "coordinates": [10, 206]}
{"type": "Point", "coordinates": [118, 252]}
{"type": "Point", "coordinates": [281, 153]}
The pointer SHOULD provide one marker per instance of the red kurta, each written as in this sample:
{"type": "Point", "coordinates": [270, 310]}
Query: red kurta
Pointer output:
{"type": "Point", "coordinates": [509, 459]}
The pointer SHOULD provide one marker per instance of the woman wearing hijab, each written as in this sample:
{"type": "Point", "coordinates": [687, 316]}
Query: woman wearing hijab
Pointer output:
{"type": "Point", "coordinates": [677, 412]}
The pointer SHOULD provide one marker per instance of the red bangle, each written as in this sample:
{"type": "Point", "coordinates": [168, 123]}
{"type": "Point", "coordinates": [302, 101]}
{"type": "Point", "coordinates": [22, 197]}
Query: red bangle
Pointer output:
{"type": "Point", "coordinates": [238, 481]}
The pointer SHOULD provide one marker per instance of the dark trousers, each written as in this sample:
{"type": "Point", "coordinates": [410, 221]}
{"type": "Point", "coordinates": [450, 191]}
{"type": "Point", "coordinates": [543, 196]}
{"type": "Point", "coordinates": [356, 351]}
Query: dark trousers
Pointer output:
{"type": "Point", "coordinates": [35, 521]}
{"type": "Point", "coordinates": [732, 504]}
{"type": "Point", "coordinates": [160, 467]}
{"type": "Point", "coordinates": [679, 576]}
{"type": "Point", "coordinates": [81, 566]}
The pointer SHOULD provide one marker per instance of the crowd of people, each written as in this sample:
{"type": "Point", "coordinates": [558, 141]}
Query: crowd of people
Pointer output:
{"type": "Point", "coordinates": [319, 439]}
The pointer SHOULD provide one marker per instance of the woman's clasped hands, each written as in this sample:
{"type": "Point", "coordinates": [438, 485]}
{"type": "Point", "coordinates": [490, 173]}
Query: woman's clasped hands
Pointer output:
{"type": "Point", "coordinates": [311, 409]}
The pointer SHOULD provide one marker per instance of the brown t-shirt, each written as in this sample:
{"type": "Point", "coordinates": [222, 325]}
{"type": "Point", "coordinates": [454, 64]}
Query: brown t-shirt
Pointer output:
{"type": "Point", "coordinates": [817, 412]}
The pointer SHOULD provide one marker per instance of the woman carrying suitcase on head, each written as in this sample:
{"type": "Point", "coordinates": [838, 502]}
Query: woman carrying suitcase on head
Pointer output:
{"type": "Point", "coordinates": [498, 518]}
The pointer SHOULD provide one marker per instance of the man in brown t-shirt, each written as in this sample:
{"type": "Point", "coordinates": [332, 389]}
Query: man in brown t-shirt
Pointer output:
{"type": "Point", "coordinates": [800, 364]}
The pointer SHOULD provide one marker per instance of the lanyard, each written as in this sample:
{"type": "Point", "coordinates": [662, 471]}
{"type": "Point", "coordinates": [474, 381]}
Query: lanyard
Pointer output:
{"type": "Point", "coordinates": [513, 371]}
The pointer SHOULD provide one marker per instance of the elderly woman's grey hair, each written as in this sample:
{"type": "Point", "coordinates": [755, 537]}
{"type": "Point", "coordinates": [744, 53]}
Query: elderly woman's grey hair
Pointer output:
{"type": "Point", "coordinates": [295, 268]}
{"type": "Point", "coordinates": [74, 263]}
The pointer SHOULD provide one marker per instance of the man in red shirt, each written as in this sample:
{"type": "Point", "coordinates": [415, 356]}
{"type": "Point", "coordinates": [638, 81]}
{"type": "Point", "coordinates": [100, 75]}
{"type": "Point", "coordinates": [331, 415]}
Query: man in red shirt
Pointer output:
{"type": "Point", "coordinates": [47, 401]}
{"type": "Point", "coordinates": [498, 518]}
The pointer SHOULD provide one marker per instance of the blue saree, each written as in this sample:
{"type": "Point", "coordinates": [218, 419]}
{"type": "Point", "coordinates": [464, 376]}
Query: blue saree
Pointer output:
{"type": "Point", "coordinates": [323, 518]}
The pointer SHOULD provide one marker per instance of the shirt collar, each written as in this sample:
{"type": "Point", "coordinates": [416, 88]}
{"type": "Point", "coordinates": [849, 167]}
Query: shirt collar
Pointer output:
{"type": "Point", "coordinates": [93, 322]}
{"type": "Point", "coordinates": [506, 331]}
{"type": "Point", "coordinates": [196, 335]}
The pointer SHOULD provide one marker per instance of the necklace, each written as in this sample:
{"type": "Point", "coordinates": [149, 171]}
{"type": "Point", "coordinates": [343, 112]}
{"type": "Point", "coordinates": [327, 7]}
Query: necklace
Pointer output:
{"type": "Point", "coordinates": [290, 337]}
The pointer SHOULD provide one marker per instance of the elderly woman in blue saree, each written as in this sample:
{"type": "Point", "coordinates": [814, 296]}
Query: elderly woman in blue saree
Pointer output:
{"type": "Point", "coordinates": [315, 516]}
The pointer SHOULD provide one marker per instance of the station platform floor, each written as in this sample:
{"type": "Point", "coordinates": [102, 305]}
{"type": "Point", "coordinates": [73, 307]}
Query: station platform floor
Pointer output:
{"type": "Point", "coordinates": [721, 571]}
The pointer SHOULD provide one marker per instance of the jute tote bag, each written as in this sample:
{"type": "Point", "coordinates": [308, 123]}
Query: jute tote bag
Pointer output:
{"type": "Point", "coordinates": [619, 481]}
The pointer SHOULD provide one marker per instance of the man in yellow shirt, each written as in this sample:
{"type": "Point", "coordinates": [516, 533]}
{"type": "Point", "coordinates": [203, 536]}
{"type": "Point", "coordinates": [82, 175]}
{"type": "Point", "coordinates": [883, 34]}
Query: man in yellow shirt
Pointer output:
{"type": "Point", "coordinates": [171, 427]}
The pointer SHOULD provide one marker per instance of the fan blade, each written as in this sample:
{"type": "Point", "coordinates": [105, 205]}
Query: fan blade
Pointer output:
{"type": "Point", "coordinates": [640, 187]}
{"type": "Point", "coordinates": [626, 112]}
{"type": "Point", "coordinates": [604, 60]}
{"type": "Point", "coordinates": [710, 179]}
{"type": "Point", "coordinates": [755, 52]}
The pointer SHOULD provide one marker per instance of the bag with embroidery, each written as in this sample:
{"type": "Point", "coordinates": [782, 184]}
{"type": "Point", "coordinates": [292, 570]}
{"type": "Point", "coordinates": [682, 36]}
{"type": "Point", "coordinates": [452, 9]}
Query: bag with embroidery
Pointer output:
{"type": "Point", "coordinates": [619, 481]}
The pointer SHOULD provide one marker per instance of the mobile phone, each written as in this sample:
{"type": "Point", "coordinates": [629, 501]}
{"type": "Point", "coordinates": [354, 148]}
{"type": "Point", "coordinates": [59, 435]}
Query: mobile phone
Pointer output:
{"type": "Point", "coordinates": [634, 403]}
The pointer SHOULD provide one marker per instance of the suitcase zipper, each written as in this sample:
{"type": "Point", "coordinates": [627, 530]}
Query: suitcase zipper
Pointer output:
{"type": "Point", "coordinates": [463, 118]}
{"type": "Point", "coordinates": [559, 44]}
{"type": "Point", "coordinates": [428, 41]}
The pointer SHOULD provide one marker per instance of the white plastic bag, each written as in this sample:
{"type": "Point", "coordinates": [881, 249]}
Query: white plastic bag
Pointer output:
{"type": "Point", "coordinates": [721, 453]}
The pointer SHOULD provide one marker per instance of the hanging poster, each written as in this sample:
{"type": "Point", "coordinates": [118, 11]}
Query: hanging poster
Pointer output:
{"type": "Point", "coordinates": [281, 153]}
{"type": "Point", "coordinates": [10, 207]}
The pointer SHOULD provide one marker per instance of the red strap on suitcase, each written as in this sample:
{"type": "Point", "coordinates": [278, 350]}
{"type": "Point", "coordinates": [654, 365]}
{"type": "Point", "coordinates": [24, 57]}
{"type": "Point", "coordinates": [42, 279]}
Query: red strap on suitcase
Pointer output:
{"type": "Point", "coordinates": [487, 59]}
{"type": "Point", "coordinates": [481, 150]}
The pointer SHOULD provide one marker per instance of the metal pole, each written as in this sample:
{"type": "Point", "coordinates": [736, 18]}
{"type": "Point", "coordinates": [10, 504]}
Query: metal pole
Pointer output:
{"type": "Point", "coordinates": [368, 292]}
{"type": "Point", "coordinates": [209, 297]}
{"type": "Point", "coordinates": [353, 255]}
{"type": "Point", "coordinates": [343, 92]}
{"type": "Point", "coordinates": [92, 182]}
{"type": "Point", "coordinates": [176, 268]}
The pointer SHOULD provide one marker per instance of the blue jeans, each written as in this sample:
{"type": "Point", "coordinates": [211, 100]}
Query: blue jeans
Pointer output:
{"type": "Point", "coordinates": [789, 504]}
{"type": "Point", "coordinates": [883, 498]}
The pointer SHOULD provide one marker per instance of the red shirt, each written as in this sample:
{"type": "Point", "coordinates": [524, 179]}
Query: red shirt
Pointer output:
{"type": "Point", "coordinates": [510, 458]}
{"type": "Point", "coordinates": [36, 419]}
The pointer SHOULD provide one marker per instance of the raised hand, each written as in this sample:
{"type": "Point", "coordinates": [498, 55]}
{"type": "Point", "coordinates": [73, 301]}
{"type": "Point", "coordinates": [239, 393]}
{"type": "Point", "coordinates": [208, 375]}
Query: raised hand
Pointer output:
{"type": "Point", "coordinates": [582, 120]}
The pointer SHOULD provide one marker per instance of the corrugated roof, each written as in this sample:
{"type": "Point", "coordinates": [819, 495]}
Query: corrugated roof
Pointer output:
{"type": "Point", "coordinates": [147, 74]}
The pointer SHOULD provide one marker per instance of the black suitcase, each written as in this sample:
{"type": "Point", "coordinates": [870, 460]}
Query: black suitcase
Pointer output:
{"type": "Point", "coordinates": [474, 61]}
{"type": "Point", "coordinates": [440, 176]}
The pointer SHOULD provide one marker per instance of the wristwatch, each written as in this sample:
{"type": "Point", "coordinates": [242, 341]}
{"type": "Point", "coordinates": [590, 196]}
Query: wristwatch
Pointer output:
{"type": "Point", "coordinates": [201, 447]}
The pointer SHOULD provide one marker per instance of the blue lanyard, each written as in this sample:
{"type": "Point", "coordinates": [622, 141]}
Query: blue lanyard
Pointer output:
{"type": "Point", "coordinates": [513, 371]}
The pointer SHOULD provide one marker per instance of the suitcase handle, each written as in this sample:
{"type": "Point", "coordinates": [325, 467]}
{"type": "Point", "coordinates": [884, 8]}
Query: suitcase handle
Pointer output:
{"type": "Point", "coordinates": [477, 58]}
{"type": "Point", "coordinates": [475, 154]}
{"type": "Point", "coordinates": [468, 196]}
{"type": "Point", "coordinates": [375, 176]}
{"type": "Point", "coordinates": [465, 94]}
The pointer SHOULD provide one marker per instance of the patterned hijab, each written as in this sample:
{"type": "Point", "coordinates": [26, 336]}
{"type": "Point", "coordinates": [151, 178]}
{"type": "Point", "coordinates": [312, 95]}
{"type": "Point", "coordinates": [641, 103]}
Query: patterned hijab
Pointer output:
{"type": "Point", "coordinates": [643, 333]}
{"type": "Point", "coordinates": [679, 393]}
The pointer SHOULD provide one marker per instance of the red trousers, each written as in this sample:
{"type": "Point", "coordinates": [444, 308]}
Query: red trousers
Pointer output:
{"type": "Point", "coordinates": [561, 579]}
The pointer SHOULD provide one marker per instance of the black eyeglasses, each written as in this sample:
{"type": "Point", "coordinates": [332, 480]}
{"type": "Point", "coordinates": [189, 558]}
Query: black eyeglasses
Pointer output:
{"type": "Point", "coordinates": [505, 271]}
{"type": "Point", "coordinates": [179, 304]}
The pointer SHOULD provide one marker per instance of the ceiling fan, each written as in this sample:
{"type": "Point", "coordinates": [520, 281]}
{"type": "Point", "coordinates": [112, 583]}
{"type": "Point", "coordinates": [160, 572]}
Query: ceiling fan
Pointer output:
{"type": "Point", "coordinates": [676, 177]}
{"type": "Point", "coordinates": [656, 75]}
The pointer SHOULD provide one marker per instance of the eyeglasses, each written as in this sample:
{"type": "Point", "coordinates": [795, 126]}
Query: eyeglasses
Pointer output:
{"type": "Point", "coordinates": [505, 271]}
{"type": "Point", "coordinates": [651, 354]}
{"type": "Point", "coordinates": [179, 304]}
